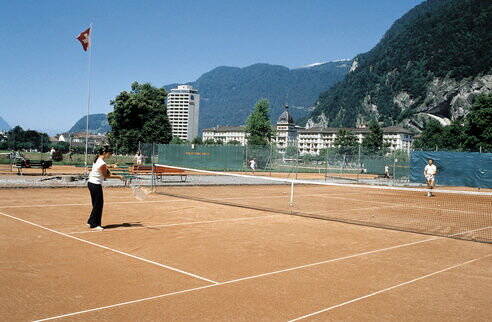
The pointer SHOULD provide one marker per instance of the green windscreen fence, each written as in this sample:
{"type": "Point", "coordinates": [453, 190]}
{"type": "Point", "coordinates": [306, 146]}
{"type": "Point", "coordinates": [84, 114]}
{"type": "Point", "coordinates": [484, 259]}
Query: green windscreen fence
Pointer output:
{"type": "Point", "coordinates": [272, 159]}
{"type": "Point", "coordinates": [209, 157]}
{"type": "Point", "coordinates": [468, 169]}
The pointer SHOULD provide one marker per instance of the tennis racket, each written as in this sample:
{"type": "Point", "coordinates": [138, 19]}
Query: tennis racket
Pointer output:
{"type": "Point", "coordinates": [139, 192]}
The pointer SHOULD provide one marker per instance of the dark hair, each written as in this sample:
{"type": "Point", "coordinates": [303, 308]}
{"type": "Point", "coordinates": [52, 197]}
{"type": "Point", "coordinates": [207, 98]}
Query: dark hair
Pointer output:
{"type": "Point", "coordinates": [101, 151]}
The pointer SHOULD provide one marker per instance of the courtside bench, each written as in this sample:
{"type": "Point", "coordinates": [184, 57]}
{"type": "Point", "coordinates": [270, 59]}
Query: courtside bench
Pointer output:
{"type": "Point", "coordinates": [159, 171]}
{"type": "Point", "coordinates": [28, 164]}
{"type": "Point", "coordinates": [124, 172]}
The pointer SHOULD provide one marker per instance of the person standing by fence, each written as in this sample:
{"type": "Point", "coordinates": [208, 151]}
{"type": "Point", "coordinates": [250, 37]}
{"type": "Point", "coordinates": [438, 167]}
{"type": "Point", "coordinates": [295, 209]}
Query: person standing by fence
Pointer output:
{"type": "Point", "coordinates": [430, 172]}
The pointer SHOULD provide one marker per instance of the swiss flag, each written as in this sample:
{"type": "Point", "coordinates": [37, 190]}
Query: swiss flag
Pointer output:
{"type": "Point", "coordinates": [85, 38]}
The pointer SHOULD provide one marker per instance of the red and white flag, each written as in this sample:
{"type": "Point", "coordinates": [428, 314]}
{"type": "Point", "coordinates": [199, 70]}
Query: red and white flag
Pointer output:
{"type": "Point", "coordinates": [85, 38]}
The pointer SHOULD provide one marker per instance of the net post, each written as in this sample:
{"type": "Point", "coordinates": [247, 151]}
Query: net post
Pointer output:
{"type": "Point", "coordinates": [291, 201]}
{"type": "Point", "coordinates": [152, 160]}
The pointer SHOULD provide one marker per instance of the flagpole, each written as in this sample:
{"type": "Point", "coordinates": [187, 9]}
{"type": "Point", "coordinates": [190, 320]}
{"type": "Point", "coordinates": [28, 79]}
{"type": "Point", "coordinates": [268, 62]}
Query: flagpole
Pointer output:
{"type": "Point", "coordinates": [88, 95]}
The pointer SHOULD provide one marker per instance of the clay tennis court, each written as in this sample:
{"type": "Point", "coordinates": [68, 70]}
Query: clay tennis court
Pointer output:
{"type": "Point", "coordinates": [169, 258]}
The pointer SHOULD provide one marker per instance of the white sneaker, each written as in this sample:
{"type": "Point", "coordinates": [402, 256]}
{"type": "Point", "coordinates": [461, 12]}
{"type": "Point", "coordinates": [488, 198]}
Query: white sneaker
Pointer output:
{"type": "Point", "coordinates": [98, 228]}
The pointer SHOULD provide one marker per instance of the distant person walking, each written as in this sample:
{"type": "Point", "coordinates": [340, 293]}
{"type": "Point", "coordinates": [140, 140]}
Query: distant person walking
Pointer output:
{"type": "Point", "coordinates": [139, 158]}
{"type": "Point", "coordinates": [252, 165]}
{"type": "Point", "coordinates": [97, 175]}
{"type": "Point", "coordinates": [430, 172]}
{"type": "Point", "coordinates": [52, 151]}
{"type": "Point", "coordinates": [386, 172]}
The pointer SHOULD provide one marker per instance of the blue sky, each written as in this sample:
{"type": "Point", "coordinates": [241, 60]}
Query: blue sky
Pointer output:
{"type": "Point", "coordinates": [44, 70]}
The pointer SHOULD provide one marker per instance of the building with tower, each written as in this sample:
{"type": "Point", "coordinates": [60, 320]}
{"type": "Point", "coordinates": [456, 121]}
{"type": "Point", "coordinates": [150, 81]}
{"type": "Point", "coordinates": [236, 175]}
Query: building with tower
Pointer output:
{"type": "Point", "coordinates": [286, 131]}
{"type": "Point", "coordinates": [183, 107]}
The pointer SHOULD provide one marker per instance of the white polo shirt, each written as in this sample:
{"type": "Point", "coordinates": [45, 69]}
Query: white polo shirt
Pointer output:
{"type": "Point", "coordinates": [96, 176]}
{"type": "Point", "coordinates": [430, 170]}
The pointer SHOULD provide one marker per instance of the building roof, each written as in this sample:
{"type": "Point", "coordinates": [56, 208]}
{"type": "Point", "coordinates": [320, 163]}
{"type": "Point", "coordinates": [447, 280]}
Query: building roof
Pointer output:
{"type": "Point", "coordinates": [396, 129]}
{"type": "Point", "coordinates": [240, 128]}
{"type": "Point", "coordinates": [364, 130]}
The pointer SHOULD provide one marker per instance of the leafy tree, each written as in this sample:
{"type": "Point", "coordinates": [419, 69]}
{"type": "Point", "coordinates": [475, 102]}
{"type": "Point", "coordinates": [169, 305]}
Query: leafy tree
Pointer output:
{"type": "Point", "coordinates": [478, 124]}
{"type": "Point", "coordinates": [61, 146]}
{"type": "Point", "coordinates": [197, 140]}
{"type": "Point", "coordinates": [258, 125]}
{"type": "Point", "coordinates": [346, 142]}
{"type": "Point", "coordinates": [234, 142]}
{"type": "Point", "coordinates": [430, 137]}
{"type": "Point", "coordinates": [177, 140]}
{"type": "Point", "coordinates": [139, 116]}
{"type": "Point", "coordinates": [209, 142]}
{"type": "Point", "coordinates": [18, 139]}
{"type": "Point", "coordinates": [373, 143]}
{"type": "Point", "coordinates": [291, 151]}
{"type": "Point", "coordinates": [434, 136]}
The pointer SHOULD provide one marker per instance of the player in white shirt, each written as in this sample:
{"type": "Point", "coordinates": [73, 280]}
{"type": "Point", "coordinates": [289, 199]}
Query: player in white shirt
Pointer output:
{"type": "Point", "coordinates": [97, 175]}
{"type": "Point", "coordinates": [430, 172]}
{"type": "Point", "coordinates": [252, 164]}
{"type": "Point", "coordinates": [139, 158]}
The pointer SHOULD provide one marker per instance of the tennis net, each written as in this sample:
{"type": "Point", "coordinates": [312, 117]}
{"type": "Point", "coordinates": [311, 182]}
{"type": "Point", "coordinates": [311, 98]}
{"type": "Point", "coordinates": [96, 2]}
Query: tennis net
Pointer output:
{"type": "Point", "coordinates": [449, 213]}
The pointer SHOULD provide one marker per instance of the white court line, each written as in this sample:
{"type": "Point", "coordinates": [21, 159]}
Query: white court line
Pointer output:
{"type": "Point", "coordinates": [177, 224]}
{"type": "Point", "coordinates": [111, 249]}
{"type": "Point", "coordinates": [389, 288]}
{"type": "Point", "coordinates": [238, 280]}
{"type": "Point", "coordinates": [250, 277]}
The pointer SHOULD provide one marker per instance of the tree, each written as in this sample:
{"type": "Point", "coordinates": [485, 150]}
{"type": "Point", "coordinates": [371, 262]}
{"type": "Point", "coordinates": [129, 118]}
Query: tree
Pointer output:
{"type": "Point", "coordinates": [18, 139]}
{"type": "Point", "coordinates": [234, 142]}
{"type": "Point", "coordinates": [373, 143]}
{"type": "Point", "coordinates": [430, 137]}
{"type": "Point", "coordinates": [61, 146]}
{"type": "Point", "coordinates": [291, 151]}
{"type": "Point", "coordinates": [477, 128]}
{"type": "Point", "coordinates": [209, 142]}
{"type": "Point", "coordinates": [177, 140]}
{"type": "Point", "coordinates": [434, 136]}
{"type": "Point", "coordinates": [346, 142]}
{"type": "Point", "coordinates": [139, 116]}
{"type": "Point", "coordinates": [197, 140]}
{"type": "Point", "coordinates": [258, 125]}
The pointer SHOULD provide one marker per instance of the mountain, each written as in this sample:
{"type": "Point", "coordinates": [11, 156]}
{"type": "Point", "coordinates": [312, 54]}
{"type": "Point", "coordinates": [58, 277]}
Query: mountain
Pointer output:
{"type": "Point", "coordinates": [4, 126]}
{"type": "Point", "coordinates": [228, 94]}
{"type": "Point", "coordinates": [429, 64]}
{"type": "Point", "coordinates": [98, 123]}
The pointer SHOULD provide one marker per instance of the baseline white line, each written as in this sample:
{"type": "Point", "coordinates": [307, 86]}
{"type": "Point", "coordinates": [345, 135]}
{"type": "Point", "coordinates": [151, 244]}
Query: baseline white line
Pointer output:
{"type": "Point", "coordinates": [389, 288]}
{"type": "Point", "coordinates": [126, 303]}
{"type": "Point", "coordinates": [177, 224]}
{"type": "Point", "coordinates": [239, 279]}
{"type": "Point", "coordinates": [249, 277]}
{"type": "Point", "coordinates": [112, 249]}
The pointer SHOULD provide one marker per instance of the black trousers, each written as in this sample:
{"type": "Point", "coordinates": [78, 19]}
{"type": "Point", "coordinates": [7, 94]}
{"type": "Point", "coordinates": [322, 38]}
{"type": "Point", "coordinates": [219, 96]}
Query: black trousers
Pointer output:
{"type": "Point", "coordinates": [97, 204]}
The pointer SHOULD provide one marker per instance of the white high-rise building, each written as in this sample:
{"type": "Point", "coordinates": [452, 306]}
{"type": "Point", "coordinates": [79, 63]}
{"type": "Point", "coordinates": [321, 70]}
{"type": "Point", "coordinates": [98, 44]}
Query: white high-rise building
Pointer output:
{"type": "Point", "coordinates": [183, 106]}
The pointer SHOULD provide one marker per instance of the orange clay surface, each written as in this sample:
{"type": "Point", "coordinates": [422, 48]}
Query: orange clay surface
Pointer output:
{"type": "Point", "coordinates": [169, 258]}
{"type": "Point", "coordinates": [54, 170]}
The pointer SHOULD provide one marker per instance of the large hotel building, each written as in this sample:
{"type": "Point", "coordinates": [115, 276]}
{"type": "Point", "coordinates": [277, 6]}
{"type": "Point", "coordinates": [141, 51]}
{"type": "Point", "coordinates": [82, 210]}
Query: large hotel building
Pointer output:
{"type": "Point", "coordinates": [310, 141]}
{"type": "Point", "coordinates": [183, 106]}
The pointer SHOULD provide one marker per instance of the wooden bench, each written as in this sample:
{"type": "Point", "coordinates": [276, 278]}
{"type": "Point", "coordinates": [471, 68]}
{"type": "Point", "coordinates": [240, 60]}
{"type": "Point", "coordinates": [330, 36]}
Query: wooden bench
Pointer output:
{"type": "Point", "coordinates": [159, 171]}
{"type": "Point", "coordinates": [124, 172]}
{"type": "Point", "coordinates": [28, 164]}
